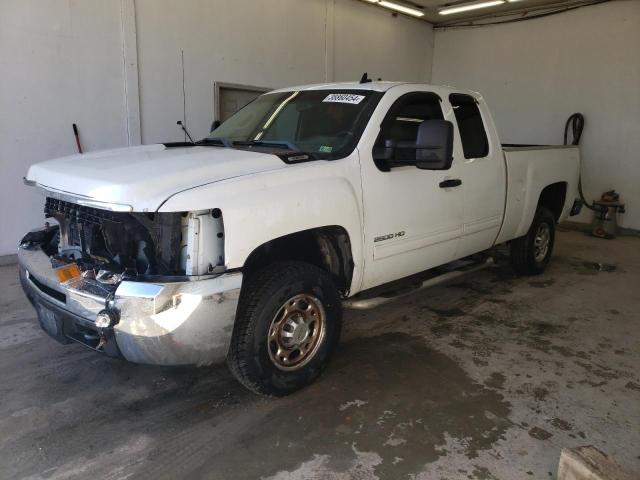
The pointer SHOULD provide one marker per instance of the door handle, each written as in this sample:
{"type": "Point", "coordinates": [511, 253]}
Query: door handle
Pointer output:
{"type": "Point", "coordinates": [453, 182]}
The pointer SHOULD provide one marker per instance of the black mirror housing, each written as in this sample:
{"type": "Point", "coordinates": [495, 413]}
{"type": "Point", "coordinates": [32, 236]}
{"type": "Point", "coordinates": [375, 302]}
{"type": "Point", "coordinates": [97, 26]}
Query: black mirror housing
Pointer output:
{"type": "Point", "coordinates": [434, 145]}
{"type": "Point", "coordinates": [385, 153]}
{"type": "Point", "coordinates": [432, 150]}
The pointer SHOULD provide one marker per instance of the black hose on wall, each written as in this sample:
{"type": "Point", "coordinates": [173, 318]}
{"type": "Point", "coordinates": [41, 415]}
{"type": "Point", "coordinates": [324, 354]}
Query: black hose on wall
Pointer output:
{"type": "Point", "coordinates": [576, 123]}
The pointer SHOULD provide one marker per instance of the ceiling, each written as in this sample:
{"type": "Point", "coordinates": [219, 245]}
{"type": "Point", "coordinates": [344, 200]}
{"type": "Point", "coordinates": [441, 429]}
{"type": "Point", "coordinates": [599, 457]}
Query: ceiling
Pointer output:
{"type": "Point", "coordinates": [496, 13]}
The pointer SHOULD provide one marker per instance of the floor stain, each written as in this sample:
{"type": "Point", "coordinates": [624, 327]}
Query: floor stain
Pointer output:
{"type": "Point", "coordinates": [584, 267]}
{"type": "Point", "coordinates": [539, 433]}
{"type": "Point", "coordinates": [561, 424]}
{"type": "Point", "coordinates": [546, 328]}
{"type": "Point", "coordinates": [602, 371]}
{"type": "Point", "coordinates": [496, 380]}
{"type": "Point", "coordinates": [450, 312]}
{"type": "Point", "coordinates": [599, 267]}
{"type": "Point", "coordinates": [442, 328]}
{"type": "Point", "coordinates": [475, 287]}
{"type": "Point", "coordinates": [498, 301]}
{"type": "Point", "coordinates": [540, 393]}
{"type": "Point", "coordinates": [542, 283]}
{"type": "Point", "coordinates": [481, 473]}
{"type": "Point", "coordinates": [407, 400]}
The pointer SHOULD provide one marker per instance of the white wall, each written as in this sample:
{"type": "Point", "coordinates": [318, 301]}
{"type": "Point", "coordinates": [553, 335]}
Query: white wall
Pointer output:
{"type": "Point", "coordinates": [62, 62]}
{"type": "Point", "coordinates": [270, 43]}
{"type": "Point", "coordinates": [534, 74]}
{"type": "Point", "coordinates": [370, 40]}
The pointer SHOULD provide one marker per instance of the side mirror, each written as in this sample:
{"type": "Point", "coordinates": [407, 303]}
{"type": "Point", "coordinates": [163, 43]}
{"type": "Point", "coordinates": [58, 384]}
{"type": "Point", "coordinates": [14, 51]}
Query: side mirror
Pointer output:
{"type": "Point", "coordinates": [383, 156]}
{"type": "Point", "coordinates": [386, 153]}
{"type": "Point", "coordinates": [432, 150]}
{"type": "Point", "coordinates": [214, 125]}
{"type": "Point", "coordinates": [434, 145]}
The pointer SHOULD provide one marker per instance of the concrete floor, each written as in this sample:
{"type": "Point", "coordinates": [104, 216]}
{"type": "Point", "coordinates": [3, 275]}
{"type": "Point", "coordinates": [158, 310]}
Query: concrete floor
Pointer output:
{"type": "Point", "coordinates": [484, 379]}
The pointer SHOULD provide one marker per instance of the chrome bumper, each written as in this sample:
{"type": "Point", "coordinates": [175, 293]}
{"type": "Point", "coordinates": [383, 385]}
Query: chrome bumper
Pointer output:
{"type": "Point", "coordinates": [181, 323]}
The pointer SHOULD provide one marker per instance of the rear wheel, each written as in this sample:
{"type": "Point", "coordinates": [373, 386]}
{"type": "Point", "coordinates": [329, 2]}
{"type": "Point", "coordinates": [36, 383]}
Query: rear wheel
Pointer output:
{"type": "Point", "coordinates": [288, 323]}
{"type": "Point", "coordinates": [530, 254]}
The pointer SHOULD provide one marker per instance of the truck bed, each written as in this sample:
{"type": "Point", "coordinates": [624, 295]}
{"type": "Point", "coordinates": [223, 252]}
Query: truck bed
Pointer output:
{"type": "Point", "coordinates": [531, 168]}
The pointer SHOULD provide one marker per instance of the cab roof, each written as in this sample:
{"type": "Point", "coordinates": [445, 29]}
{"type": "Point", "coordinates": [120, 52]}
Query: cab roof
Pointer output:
{"type": "Point", "coordinates": [375, 86]}
{"type": "Point", "coordinates": [379, 86]}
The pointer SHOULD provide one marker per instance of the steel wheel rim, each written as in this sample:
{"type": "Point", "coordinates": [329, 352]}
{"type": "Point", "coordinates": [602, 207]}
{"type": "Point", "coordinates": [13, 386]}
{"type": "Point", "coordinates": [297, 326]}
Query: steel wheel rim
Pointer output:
{"type": "Point", "coordinates": [296, 332]}
{"type": "Point", "coordinates": [541, 242]}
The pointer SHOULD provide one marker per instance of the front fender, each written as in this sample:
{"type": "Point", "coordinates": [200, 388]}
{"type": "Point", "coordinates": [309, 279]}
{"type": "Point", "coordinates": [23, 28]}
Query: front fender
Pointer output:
{"type": "Point", "coordinates": [261, 207]}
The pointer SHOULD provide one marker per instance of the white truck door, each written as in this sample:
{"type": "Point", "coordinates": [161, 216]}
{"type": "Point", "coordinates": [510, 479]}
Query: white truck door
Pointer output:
{"type": "Point", "coordinates": [482, 171]}
{"type": "Point", "coordinates": [413, 217]}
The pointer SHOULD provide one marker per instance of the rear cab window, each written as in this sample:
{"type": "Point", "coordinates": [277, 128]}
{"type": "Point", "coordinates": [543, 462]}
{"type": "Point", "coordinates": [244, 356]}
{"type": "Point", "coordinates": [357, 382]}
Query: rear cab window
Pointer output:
{"type": "Point", "coordinates": [473, 135]}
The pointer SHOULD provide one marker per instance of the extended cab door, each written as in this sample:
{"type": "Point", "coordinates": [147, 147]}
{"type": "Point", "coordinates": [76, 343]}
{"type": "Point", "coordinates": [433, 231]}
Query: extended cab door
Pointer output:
{"type": "Point", "coordinates": [413, 218]}
{"type": "Point", "coordinates": [482, 171]}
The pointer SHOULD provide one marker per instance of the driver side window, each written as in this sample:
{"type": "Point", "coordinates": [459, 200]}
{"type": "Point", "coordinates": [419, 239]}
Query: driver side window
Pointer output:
{"type": "Point", "coordinates": [400, 126]}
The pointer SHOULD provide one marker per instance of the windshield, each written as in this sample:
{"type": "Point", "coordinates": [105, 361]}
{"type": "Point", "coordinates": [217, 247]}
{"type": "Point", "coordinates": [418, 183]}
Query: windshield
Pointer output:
{"type": "Point", "coordinates": [326, 123]}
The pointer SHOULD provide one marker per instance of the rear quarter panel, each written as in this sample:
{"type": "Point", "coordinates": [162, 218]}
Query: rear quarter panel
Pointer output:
{"type": "Point", "coordinates": [529, 171]}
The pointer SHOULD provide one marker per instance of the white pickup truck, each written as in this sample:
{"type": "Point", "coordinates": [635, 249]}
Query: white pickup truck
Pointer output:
{"type": "Point", "coordinates": [247, 244]}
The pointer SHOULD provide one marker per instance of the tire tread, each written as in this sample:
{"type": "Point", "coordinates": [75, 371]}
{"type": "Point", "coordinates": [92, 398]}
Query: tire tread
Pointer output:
{"type": "Point", "coordinates": [252, 296]}
{"type": "Point", "coordinates": [520, 249]}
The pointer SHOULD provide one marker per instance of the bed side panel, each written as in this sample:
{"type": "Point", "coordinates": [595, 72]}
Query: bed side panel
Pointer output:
{"type": "Point", "coordinates": [529, 171]}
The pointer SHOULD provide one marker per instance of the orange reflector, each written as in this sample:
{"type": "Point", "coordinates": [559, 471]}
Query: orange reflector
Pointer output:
{"type": "Point", "coordinates": [68, 272]}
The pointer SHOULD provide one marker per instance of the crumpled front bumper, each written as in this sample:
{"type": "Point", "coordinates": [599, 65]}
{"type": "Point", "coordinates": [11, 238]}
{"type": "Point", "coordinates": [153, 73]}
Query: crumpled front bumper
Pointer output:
{"type": "Point", "coordinates": [173, 323]}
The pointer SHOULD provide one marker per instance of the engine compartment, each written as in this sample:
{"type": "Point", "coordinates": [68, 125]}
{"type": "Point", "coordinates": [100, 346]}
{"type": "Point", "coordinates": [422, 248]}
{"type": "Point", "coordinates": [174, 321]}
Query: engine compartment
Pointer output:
{"type": "Point", "coordinates": [112, 246]}
{"type": "Point", "coordinates": [120, 242]}
{"type": "Point", "coordinates": [105, 247]}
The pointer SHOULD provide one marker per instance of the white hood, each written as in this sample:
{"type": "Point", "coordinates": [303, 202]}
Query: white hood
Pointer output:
{"type": "Point", "coordinates": [144, 177]}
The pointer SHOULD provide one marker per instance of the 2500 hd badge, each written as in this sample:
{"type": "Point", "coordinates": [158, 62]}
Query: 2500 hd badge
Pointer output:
{"type": "Point", "coordinates": [389, 237]}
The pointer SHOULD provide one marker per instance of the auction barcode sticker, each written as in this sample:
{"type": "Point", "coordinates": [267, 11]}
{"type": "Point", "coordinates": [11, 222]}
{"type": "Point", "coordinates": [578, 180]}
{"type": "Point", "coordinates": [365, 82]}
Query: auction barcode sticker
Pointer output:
{"type": "Point", "coordinates": [344, 98]}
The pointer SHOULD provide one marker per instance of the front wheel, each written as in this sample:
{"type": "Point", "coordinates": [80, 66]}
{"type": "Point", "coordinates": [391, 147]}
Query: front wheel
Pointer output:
{"type": "Point", "coordinates": [530, 254]}
{"type": "Point", "coordinates": [288, 323]}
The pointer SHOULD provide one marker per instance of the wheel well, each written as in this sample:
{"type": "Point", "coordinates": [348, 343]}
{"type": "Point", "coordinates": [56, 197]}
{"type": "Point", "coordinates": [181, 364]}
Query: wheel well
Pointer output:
{"type": "Point", "coordinates": [553, 197]}
{"type": "Point", "coordinates": [326, 247]}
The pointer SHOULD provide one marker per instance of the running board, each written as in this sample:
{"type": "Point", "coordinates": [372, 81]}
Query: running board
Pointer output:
{"type": "Point", "coordinates": [373, 302]}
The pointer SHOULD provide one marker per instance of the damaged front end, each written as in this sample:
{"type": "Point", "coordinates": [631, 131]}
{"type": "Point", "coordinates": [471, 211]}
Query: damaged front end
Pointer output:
{"type": "Point", "coordinates": [123, 243]}
{"type": "Point", "coordinates": [150, 287]}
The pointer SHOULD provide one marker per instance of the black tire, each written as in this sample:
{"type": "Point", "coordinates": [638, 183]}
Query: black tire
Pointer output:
{"type": "Point", "coordinates": [524, 250]}
{"type": "Point", "coordinates": [251, 356]}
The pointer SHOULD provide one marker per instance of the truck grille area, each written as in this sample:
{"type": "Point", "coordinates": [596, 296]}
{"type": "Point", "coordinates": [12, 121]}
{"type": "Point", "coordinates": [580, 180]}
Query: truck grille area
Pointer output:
{"type": "Point", "coordinates": [119, 242]}
{"type": "Point", "coordinates": [80, 213]}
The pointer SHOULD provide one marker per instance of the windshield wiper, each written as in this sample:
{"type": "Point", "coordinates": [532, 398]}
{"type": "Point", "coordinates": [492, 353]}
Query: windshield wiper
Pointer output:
{"type": "Point", "coordinates": [216, 141]}
{"type": "Point", "coordinates": [295, 155]}
{"type": "Point", "coordinates": [268, 143]}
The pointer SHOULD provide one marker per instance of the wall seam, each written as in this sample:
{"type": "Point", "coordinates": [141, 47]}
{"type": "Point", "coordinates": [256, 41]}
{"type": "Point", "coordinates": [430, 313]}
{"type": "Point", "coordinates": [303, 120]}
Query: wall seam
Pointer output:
{"type": "Point", "coordinates": [329, 36]}
{"type": "Point", "coordinates": [130, 71]}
